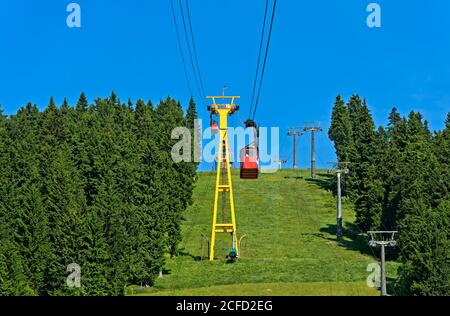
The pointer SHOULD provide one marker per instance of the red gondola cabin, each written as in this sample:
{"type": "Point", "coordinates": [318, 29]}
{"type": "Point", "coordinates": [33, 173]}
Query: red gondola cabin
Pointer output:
{"type": "Point", "coordinates": [215, 127]}
{"type": "Point", "coordinates": [249, 163]}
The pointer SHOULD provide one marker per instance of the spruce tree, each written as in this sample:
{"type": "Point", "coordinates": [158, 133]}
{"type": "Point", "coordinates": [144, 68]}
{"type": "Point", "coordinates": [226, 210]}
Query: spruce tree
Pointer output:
{"type": "Point", "coordinates": [362, 180]}
{"type": "Point", "coordinates": [442, 150]}
{"type": "Point", "coordinates": [13, 275]}
{"type": "Point", "coordinates": [425, 248]}
{"type": "Point", "coordinates": [340, 131]}
{"type": "Point", "coordinates": [30, 217]}
{"type": "Point", "coordinates": [82, 104]}
{"type": "Point", "coordinates": [177, 177]}
{"type": "Point", "coordinates": [91, 185]}
{"type": "Point", "coordinates": [196, 135]}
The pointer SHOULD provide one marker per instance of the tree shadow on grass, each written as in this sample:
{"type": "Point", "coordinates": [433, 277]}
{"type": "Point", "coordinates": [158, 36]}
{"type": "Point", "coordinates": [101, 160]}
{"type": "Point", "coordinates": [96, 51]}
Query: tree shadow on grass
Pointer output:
{"type": "Point", "coordinates": [166, 271]}
{"type": "Point", "coordinates": [294, 177]}
{"type": "Point", "coordinates": [184, 253]}
{"type": "Point", "coordinates": [352, 238]}
{"type": "Point", "coordinates": [324, 180]}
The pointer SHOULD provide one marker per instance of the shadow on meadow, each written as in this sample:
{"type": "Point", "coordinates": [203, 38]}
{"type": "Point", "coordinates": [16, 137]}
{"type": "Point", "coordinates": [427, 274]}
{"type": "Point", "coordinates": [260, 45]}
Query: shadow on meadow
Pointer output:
{"type": "Point", "coordinates": [353, 238]}
{"type": "Point", "coordinates": [324, 181]}
{"type": "Point", "coordinates": [184, 253]}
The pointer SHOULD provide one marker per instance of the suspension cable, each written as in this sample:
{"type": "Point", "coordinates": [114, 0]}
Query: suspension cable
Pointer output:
{"type": "Point", "coordinates": [190, 51]}
{"type": "Point", "coordinates": [265, 58]}
{"type": "Point", "coordinates": [259, 58]}
{"type": "Point", "coordinates": [194, 46]}
{"type": "Point", "coordinates": [180, 47]}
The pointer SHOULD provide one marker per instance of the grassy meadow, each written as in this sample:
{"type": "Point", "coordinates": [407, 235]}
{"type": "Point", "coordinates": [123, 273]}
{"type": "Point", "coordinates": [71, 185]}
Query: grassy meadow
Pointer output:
{"type": "Point", "coordinates": [289, 246]}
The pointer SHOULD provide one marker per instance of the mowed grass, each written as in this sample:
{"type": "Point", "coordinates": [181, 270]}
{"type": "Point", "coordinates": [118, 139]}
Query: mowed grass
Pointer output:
{"type": "Point", "coordinates": [277, 289]}
{"type": "Point", "coordinates": [289, 248]}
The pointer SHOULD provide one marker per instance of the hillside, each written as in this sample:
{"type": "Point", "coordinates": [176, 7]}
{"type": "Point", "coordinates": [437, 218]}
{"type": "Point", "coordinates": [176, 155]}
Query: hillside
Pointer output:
{"type": "Point", "coordinates": [290, 248]}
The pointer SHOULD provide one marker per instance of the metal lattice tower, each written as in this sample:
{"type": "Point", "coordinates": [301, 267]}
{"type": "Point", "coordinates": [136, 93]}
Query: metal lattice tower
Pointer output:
{"type": "Point", "coordinates": [224, 184]}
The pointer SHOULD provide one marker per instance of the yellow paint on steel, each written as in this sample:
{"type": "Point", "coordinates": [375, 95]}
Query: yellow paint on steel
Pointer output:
{"type": "Point", "coordinates": [223, 161]}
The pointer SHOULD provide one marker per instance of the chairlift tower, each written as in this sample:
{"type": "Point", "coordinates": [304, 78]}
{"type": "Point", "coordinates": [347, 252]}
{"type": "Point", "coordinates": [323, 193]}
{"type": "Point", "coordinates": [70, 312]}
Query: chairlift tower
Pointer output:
{"type": "Point", "coordinates": [224, 184]}
{"type": "Point", "coordinates": [339, 169]}
{"type": "Point", "coordinates": [313, 127]}
{"type": "Point", "coordinates": [295, 132]}
{"type": "Point", "coordinates": [383, 239]}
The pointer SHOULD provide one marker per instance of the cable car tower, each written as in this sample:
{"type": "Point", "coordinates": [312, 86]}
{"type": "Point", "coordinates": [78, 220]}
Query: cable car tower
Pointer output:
{"type": "Point", "coordinates": [224, 184]}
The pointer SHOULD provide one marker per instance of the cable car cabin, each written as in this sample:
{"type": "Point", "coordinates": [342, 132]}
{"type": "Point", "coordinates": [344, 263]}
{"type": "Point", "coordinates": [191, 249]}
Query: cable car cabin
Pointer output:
{"type": "Point", "coordinates": [249, 163]}
{"type": "Point", "coordinates": [214, 127]}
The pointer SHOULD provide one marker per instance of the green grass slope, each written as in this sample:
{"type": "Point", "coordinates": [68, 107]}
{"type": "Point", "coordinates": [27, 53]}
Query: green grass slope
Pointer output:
{"type": "Point", "coordinates": [289, 248]}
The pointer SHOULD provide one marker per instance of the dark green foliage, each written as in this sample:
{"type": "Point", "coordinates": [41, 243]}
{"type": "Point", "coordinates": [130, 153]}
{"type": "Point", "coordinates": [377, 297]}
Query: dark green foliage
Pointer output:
{"type": "Point", "coordinates": [442, 151]}
{"type": "Point", "coordinates": [341, 130]}
{"type": "Point", "coordinates": [400, 180]}
{"type": "Point", "coordinates": [178, 177]}
{"type": "Point", "coordinates": [362, 182]}
{"type": "Point", "coordinates": [196, 133]}
{"type": "Point", "coordinates": [93, 185]}
{"type": "Point", "coordinates": [425, 250]}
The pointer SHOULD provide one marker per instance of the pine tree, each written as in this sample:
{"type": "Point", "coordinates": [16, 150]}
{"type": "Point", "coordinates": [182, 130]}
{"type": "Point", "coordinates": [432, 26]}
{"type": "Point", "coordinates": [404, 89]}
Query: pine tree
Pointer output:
{"type": "Point", "coordinates": [363, 182]}
{"type": "Point", "coordinates": [191, 117]}
{"type": "Point", "coordinates": [425, 248]}
{"type": "Point", "coordinates": [399, 181]}
{"type": "Point", "coordinates": [82, 104]}
{"type": "Point", "coordinates": [30, 218]}
{"type": "Point", "coordinates": [442, 151]}
{"type": "Point", "coordinates": [170, 115]}
{"type": "Point", "coordinates": [151, 222]}
{"type": "Point", "coordinates": [92, 185]}
{"type": "Point", "coordinates": [393, 164]}
{"type": "Point", "coordinates": [13, 278]}
{"type": "Point", "coordinates": [63, 198]}
{"type": "Point", "coordinates": [340, 131]}
{"type": "Point", "coordinates": [66, 206]}
{"type": "Point", "coordinates": [394, 120]}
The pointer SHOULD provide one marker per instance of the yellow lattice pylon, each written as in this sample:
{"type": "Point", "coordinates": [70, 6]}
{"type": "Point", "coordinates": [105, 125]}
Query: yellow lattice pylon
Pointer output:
{"type": "Point", "coordinates": [223, 186]}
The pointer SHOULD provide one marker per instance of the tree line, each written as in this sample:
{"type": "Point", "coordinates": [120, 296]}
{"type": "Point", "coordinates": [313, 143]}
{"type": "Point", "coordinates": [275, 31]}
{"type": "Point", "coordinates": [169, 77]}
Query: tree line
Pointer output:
{"type": "Point", "coordinates": [399, 180]}
{"type": "Point", "coordinates": [91, 184]}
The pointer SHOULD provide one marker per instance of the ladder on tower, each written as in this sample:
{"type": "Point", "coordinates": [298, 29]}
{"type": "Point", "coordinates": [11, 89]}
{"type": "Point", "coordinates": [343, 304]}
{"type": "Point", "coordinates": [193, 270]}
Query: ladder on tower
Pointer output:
{"type": "Point", "coordinates": [224, 185]}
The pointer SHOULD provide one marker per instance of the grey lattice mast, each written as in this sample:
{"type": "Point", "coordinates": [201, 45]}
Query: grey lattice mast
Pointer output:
{"type": "Point", "coordinates": [382, 239]}
{"type": "Point", "coordinates": [295, 132]}
{"type": "Point", "coordinates": [313, 127]}
{"type": "Point", "coordinates": [339, 169]}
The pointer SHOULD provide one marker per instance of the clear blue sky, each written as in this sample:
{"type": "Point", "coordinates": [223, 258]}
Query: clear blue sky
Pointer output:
{"type": "Point", "coordinates": [320, 48]}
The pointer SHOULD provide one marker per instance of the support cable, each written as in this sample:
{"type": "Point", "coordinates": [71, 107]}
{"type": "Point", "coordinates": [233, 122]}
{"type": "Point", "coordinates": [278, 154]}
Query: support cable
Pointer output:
{"type": "Point", "coordinates": [190, 51]}
{"type": "Point", "coordinates": [259, 57]}
{"type": "Point", "coordinates": [265, 58]}
{"type": "Point", "coordinates": [180, 47]}
{"type": "Point", "coordinates": [194, 46]}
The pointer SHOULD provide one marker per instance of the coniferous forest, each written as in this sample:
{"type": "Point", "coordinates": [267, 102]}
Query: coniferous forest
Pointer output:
{"type": "Point", "coordinates": [95, 185]}
{"type": "Point", "coordinates": [400, 180]}
{"type": "Point", "coordinates": [91, 184]}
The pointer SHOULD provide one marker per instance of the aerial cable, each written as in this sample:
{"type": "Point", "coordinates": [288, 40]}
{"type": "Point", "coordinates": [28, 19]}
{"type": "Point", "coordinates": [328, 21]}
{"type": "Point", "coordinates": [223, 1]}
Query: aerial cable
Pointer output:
{"type": "Point", "coordinates": [194, 46]}
{"type": "Point", "coordinates": [265, 58]}
{"type": "Point", "coordinates": [259, 58]}
{"type": "Point", "coordinates": [180, 48]}
{"type": "Point", "coordinates": [190, 51]}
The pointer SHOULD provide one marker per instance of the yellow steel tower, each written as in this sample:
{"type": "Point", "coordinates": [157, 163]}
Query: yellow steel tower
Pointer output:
{"type": "Point", "coordinates": [224, 184]}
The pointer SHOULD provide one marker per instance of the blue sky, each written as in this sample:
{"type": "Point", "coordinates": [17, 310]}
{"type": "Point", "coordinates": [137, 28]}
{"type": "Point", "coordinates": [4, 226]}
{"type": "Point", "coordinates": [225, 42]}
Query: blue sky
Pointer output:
{"type": "Point", "coordinates": [319, 49]}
